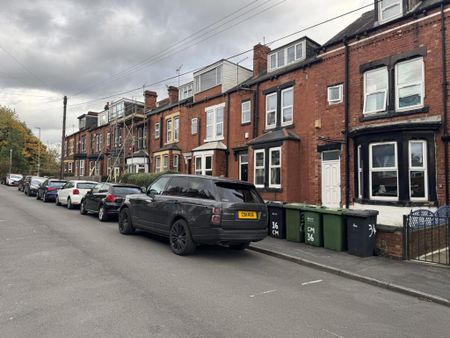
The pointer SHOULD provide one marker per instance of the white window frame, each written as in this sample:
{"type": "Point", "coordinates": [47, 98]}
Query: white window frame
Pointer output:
{"type": "Point", "coordinates": [176, 162]}
{"type": "Point", "coordinates": [165, 162]}
{"type": "Point", "coordinates": [157, 130]}
{"type": "Point", "coordinates": [82, 167]}
{"type": "Point", "coordinates": [270, 111]}
{"type": "Point", "coordinates": [246, 110]}
{"type": "Point", "coordinates": [213, 123]}
{"type": "Point", "coordinates": [283, 107]}
{"type": "Point", "coordinates": [385, 91]}
{"type": "Point", "coordinates": [395, 168]}
{"type": "Point", "coordinates": [202, 156]}
{"type": "Point", "coordinates": [198, 79]}
{"type": "Point", "coordinates": [169, 130]}
{"type": "Point", "coordinates": [381, 9]}
{"type": "Point", "coordinates": [194, 122]}
{"type": "Point", "coordinates": [398, 87]}
{"type": "Point", "coordinates": [340, 88]}
{"type": "Point", "coordinates": [176, 129]}
{"type": "Point", "coordinates": [241, 163]}
{"type": "Point", "coordinates": [360, 172]}
{"type": "Point", "coordinates": [423, 168]}
{"type": "Point", "coordinates": [272, 166]}
{"type": "Point", "coordinates": [158, 164]}
{"type": "Point", "coordinates": [284, 50]}
{"type": "Point", "coordinates": [263, 167]}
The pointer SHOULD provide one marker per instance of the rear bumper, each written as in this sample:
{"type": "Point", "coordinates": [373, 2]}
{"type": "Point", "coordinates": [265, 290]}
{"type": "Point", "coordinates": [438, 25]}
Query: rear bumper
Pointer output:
{"type": "Point", "coordinates": [75, 199]}
{"type": "Point", "coordinates": [111, 209]}
{"type": "Point", "coordinates": [221, 236]}
{"type": "Point", "coordinates": [50, 196]}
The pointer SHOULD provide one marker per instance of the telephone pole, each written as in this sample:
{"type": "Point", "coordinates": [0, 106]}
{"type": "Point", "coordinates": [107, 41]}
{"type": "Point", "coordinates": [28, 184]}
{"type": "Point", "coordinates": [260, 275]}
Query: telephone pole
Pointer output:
{"type": "Point", "coordinates": [39, 153]}
{"type": "Point", "coordinates": [10, 160]}
{"type": "Point", "coordinates": [63, 139]}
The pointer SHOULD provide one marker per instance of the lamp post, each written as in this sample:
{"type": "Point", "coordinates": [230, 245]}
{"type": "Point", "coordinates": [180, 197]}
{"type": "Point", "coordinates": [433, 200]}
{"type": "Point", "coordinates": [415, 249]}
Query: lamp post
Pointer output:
{"type": "Point", "coordinates": [10, 160]}
{"type": "Point", "coordinates": [39, 153]}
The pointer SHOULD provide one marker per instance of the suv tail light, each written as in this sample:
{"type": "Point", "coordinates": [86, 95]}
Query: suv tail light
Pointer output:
{"type": "Point", "coordinates": [75, 191]}
{"type": "Point", "coordinates": [51, 189]}
{"type": "Point", "coordinates": [216, 217]}
{"type": "Point", "coordinates": [110, 198]}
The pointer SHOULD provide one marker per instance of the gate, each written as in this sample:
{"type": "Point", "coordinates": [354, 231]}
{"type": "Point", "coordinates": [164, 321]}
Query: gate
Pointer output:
{"type": "Point", "coordinates": [428, 235]}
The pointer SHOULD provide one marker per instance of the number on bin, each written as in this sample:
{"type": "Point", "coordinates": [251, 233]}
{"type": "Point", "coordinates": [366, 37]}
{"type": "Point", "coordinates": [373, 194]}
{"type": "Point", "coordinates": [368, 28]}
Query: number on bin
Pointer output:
{"type": "Point", "coordinates": [310, 232]}
{"type": "Point", "coordinates": [275, 229]}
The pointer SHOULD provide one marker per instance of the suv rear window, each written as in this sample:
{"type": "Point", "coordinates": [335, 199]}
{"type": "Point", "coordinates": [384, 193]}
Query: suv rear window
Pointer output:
{"type": "Point", "coordinates": [126, 190]}
{"type": "Point", "coordinates": [237, 193]}
{"type": "Point", "coordinates": [192, 187]}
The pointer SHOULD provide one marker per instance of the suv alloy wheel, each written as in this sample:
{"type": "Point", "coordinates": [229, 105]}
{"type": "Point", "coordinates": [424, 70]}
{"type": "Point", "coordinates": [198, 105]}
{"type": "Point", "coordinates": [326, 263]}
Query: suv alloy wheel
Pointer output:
{"type": "Point", "coordinates": [181, 241]}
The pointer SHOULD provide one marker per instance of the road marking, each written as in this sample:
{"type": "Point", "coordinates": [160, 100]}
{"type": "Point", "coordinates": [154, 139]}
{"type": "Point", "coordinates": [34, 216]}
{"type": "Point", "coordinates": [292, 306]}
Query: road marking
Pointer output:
{"type": "Point", "coordinates": [332, 333]}
{"type": "Point", "coordinates": [263, 293]}
{"type": "Point", "coordinates": [312, 282]}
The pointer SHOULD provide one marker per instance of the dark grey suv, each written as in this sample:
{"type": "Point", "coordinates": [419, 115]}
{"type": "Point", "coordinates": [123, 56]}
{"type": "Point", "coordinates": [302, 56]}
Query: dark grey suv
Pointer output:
{"type": "Point", "coordinates": [193, 210]}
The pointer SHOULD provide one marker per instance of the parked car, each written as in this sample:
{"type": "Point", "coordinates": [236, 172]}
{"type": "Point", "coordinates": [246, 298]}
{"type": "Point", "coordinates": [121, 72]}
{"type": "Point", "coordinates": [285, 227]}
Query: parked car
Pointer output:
{"type": "Point", "coordinates": [32, 184]}
{"type": "Point", "coordinates": [21, 183]}
{"type": "Point", "coordinates": [193, 210]}
{"type": "Point", "coordinates": [12, 179]}
{"type": "Point", "coordinates": [106, 198]}
{"type": "Point", "coordinates": [73, 192]}
{"type": "Point", "coordinates": [49, 188]}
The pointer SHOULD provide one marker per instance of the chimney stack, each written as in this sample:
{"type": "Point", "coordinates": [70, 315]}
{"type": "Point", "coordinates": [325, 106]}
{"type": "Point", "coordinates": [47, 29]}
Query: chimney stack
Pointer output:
{"type": "Point", "coordinates": [150, 99]}
{"type": "Point", "coordinates": [260, 59]}
{"type": "Point", "coordinates": [173, 94]}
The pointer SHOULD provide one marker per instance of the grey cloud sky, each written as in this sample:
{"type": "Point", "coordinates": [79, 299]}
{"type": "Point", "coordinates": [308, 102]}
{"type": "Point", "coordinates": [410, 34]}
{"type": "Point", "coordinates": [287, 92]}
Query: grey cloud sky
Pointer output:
{"type": "Point", "coordinates": [71, 44]}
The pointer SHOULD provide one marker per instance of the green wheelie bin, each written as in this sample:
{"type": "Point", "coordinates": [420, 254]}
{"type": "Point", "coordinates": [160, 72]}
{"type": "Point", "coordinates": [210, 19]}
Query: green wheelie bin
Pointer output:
{"type": "Point", "coordinates": [334, 229]}
{"type": "Point", "coordinates": [294, 222]}
{"type": "Point", "coordinates": [313, 225]}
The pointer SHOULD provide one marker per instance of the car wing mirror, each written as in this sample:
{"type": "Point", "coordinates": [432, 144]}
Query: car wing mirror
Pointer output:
{"type": "Point", "coordinates": [144, 190]}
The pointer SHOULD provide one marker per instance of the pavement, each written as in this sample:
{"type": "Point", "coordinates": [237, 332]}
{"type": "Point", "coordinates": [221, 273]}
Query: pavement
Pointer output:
{"type": "Point", "coordinates": [422, 280]}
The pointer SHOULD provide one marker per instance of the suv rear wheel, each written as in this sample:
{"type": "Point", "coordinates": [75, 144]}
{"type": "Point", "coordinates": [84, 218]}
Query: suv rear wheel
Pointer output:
{"type": "Point", "coordinates": [125, 225]}
{"type": "Point", "coordinates": [180, 238]}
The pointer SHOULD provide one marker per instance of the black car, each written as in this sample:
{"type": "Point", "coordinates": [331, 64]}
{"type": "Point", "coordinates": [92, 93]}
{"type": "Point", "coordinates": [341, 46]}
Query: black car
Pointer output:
{"type": "Point", "coordinates": [21, 184]}
{"type": "Point", "coordinates": [48, 190]}
{"type": "Point", "coordinates": [31, 185]}
{"type": "Point", "coordinates": [193, 210]}
{"type": "Point", "coordinates": [105, 199]}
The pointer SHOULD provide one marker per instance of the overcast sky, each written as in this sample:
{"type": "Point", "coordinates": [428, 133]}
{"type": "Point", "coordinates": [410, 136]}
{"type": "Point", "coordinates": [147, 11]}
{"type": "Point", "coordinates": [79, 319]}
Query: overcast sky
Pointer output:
{"type": "Point", "coordinates": [89, 50]}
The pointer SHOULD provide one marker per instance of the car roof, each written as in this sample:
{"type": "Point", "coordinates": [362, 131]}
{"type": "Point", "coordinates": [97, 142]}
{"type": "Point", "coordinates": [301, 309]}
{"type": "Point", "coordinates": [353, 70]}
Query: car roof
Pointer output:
{"type": "Point", "coordinates": [211, 178]}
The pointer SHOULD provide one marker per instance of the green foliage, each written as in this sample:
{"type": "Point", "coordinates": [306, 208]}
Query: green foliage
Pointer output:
{"type": "Point", "coordinates": [142, 179]}
{"type": "Point", "coordinates": [16, 136]}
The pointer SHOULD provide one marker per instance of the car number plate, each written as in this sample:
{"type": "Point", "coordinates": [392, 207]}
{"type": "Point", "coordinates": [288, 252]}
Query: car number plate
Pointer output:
{"type": "Point", "coordinates": [247, 215]}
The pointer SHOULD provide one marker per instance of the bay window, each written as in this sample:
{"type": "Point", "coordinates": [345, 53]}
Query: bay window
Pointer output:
{"type": "Point", "coordinates": [383, 171]}
{"type": "Point", "coordinates": [157, 164]}
{"type": "Point", "coordinates": [259, 167]}
{"type": "Point", "coordinates": [275, 167]}
{"type": "Point", "coordinates": [203, 164]}
{"type": "Point", "coordinates": [165, 162]}
{"type": "Point", "coordinates": [418, 187]}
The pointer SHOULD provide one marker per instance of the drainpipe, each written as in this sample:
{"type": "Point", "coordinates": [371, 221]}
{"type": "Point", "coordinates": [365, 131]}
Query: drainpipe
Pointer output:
{"type": "Point", "coordinates": [346, 123]}
{"type": "Point", "coordinates": [227, 152]}
{"type": "Point", "coordinates": [255, 111]}
{"type": "Point", "coordinates": [445, 102]}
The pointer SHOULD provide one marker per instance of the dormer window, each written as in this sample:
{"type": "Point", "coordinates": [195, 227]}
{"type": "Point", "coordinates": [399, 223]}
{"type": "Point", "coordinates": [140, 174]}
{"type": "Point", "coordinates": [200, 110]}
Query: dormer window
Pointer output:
{"type": "Point", "coordinates": [286, 55]}
{"type": "Point", "coordinates": [186, 90]}
{"type": "Point", "coordinates": [389, 9]}
{"type": "Point", "coordinates": [208, 79]}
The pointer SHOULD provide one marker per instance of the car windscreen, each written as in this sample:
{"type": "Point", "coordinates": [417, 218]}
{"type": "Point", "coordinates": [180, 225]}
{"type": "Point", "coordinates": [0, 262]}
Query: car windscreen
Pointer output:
{"type": "Point", "coordinates": [86, 185]}
{"type": "Point", "coordinates": [237, 193]}
{"type": "Point", "coordinates": [16, 176]}
{"type": "Point", "coordinates": [36, 182]}
{"type": "Point", "coordinates": [126, 190]}
{"type": "Point", "coordinates": [56, 184]}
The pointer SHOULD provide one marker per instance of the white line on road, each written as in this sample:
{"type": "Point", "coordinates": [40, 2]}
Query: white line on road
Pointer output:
{"type": "Point", "coordinates": [332, 333]}
{"type": "Point", "coordinates": [263, 293]}
{"type": "Point", "coordinates": [312, 282]}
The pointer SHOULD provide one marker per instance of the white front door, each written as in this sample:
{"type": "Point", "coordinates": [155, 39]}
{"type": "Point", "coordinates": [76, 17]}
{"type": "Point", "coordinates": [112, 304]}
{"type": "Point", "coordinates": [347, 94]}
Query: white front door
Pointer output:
{"type": "Point", "coordinates": [331, 179]}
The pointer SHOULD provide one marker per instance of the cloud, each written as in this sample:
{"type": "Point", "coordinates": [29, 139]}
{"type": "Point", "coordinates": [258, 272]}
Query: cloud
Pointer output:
{"type": "Point", "coordinates": [77, 45]}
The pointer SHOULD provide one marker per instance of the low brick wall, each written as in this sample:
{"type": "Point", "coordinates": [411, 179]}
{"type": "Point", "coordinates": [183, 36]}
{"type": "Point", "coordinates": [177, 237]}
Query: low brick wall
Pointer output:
{"type": "Point", "coordinates": [389, 241]}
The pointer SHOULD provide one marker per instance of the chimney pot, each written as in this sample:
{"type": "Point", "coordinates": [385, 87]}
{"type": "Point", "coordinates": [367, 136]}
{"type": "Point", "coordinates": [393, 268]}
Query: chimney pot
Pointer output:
{"type": "Point", "coordinates": [150, 99]}
{"type": "Point", "coordinates": [260, 53]}
{"type": "Point", "coordinates": [173, 94]}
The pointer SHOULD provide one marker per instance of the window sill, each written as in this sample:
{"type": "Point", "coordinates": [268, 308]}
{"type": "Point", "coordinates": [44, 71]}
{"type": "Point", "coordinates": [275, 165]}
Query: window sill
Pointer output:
{"type": "Point", "coordinates": [245, 123]}
{"type": "Point", "coordinates": [396, 203]}
{"type": "Point", "coordinates": [289, 126]}
{"type": "Point", "coordinates": [213, 139]}
{"type": "Point", "coordinates": [275, 190]}
{"type": "Point", "coordinates": [393, 113]}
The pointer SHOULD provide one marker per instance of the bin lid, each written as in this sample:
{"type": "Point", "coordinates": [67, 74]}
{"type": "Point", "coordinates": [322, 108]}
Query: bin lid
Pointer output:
{"type": "Point", "coordinates": [333, 211]}
{"type": "Point", "coordinates": [363, 213]}
{"type": "Point", "coordinates": [277, 204]}
{"type": "Point", "coordinates": [313, 208]}
{"type": "Point", "coordinates": [296, 206]}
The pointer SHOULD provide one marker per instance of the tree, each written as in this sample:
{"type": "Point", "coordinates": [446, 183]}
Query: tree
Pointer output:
{"type": "Point", "coordinates": [16, 136]}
